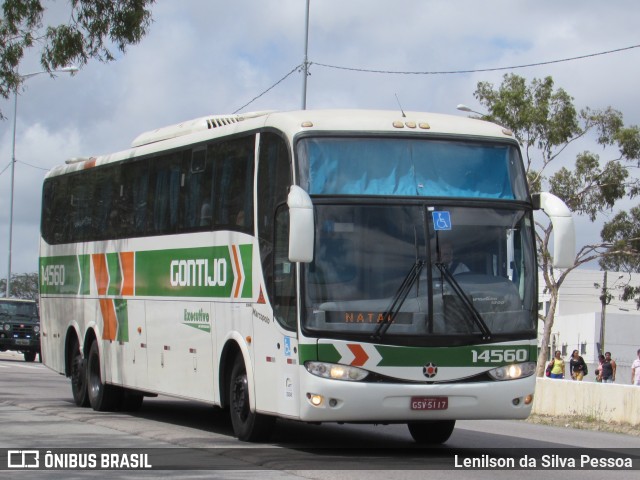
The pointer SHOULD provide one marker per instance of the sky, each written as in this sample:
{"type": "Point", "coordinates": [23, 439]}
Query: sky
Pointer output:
{"type": "Point", "coordinates": [204, 57]}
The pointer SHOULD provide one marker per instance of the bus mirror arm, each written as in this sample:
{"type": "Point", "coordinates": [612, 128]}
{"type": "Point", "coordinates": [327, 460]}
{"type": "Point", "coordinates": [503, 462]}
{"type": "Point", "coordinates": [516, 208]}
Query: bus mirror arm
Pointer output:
{"type": "Point", "coordinates": [564, 236]}
{"type": "Point", "coordinates": [301, 225]}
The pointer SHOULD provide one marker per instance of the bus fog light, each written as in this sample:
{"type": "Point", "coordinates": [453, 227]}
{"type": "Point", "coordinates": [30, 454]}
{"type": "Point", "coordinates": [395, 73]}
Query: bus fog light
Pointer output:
{"type": "Point", "coordinates": [315, 399]}
{"type": "Point", "coordinates": [528, 399]}
{"type": "Point", "coordinates": [333, 402]}
{"type": "Point", "coordinates": [516, 401]}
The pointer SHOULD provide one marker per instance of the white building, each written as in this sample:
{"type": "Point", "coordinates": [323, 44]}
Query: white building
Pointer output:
{"type": "Point", "coordinates": [579, 319]}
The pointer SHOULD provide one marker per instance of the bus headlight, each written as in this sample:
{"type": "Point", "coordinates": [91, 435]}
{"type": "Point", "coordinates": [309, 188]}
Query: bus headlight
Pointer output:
{"type": "Point", "coordinates": [36, 328]}
{"type": "Point", "coordinates": [336, 371]}
{"type": "Point", "coordinates": [513, 372]}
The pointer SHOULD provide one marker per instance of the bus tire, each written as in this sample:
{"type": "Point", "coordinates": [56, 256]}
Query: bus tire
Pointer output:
{"type": "Point", "coordinates": [29, 356]}
{"type": "Point", "coordinates": [433, 432]}
{"type": "Point", "coordinates": [248, 426]}
{"type": "Point", "coordinates": [102, 397]}
{"type": "Point", "coordinates": [78, 375]}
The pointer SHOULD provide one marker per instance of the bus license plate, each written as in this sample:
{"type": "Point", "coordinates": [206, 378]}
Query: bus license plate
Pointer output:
{"type": "Point", "coordinates": [429, 403]}
{"type": "Point", "coordinates": [22, 341]}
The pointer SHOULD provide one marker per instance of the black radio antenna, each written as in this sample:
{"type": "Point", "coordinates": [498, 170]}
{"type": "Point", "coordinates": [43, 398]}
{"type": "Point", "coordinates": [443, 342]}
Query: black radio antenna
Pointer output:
{"type": "Point", "coordinates": [398, 100]}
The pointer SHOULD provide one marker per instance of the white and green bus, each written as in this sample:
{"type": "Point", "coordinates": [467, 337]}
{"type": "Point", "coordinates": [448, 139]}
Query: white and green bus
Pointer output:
{"type": "Point", "coordinates": [298, 265]}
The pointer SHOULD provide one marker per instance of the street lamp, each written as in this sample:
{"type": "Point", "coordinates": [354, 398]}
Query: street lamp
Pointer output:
{"type": "Point", "coordinates": [463, 108]}
{"type": "Point", "coordinates": [70, 69]}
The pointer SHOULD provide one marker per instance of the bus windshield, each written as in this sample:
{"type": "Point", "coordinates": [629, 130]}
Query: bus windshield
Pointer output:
{"type": "Point", "coordinates": [466, 271]}
{"type": "Point", "coordinates": [410, 167]}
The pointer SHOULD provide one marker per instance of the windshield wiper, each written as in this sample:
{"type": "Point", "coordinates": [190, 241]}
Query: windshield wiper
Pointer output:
{"type": "Point", "coordinates": [477, 318]}
{"type": "Point", "coordinates": [398, 299]}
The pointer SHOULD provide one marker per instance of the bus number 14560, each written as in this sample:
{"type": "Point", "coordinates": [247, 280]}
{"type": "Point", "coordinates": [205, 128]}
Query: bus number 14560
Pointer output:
{"type": "Point", "coordinates": [499, 356]}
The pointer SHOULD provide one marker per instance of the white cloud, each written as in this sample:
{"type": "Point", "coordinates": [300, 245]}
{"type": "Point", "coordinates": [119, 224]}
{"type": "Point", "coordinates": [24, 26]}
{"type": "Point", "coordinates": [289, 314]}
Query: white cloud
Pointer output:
{"type": "Point", "coordinates": [37, 149]}
{"type": "Point", "coordinates": [204, 57]}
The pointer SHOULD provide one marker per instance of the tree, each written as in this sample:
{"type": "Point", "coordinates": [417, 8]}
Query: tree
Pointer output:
{"type": "Point", "coordinates": [24, 285]}
{"type": "Point", "coordinates": [92, 27]}
{"type": "Point", "coordinates": [623, 234]}
{"type": "Point", "coordinates": [545, 122]}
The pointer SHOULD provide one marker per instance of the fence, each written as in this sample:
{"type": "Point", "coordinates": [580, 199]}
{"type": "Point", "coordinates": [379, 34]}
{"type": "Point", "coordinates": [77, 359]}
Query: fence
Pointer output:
{"type": "Point", "coordinates": [607, 402]}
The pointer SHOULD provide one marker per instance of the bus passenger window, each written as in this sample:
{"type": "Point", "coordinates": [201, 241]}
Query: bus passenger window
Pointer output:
{"type": "Point", "coordinates": [233, 181]}
{"type": "Point", "coordinates": [284, 278]}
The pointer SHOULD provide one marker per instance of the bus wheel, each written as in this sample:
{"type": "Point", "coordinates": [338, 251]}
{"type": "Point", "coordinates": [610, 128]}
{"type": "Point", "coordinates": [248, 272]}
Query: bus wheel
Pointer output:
{"type": "Point", "coordinates": [78, 376]}
{"type": "Point", "coordinates": [248, 426]}
{"type": "Point", "coordinates": [102, 397]}
{"type": "Point", "coordinates": [29, 356]}
{"type": "Point", "coordinates": [434, 432]}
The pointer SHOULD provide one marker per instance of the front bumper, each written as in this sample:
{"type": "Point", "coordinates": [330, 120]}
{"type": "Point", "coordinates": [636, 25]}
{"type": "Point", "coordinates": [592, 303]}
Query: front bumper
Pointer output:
{"type": "Point", "coordinates": [344, 401]}
{"type": "Point", "coordinates": [20, 344]}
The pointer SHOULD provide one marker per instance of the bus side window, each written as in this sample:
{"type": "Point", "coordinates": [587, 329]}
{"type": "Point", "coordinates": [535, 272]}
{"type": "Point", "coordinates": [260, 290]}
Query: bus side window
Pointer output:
{"type": "Point", "coordinates": [284, 289]}
{"type": "Point", "coordinates": [104, 202]}
{"type": "Point", "coordinates": [233, 182]}
{"type": "Point", "coordinates": [130, 210]}
{"type": "Point", "coordinates": [274, 179]}
{"type": "Point", "coordinates": [197, 191]}
{"type": "Point", "coordinates": [55, 221]}
{"type": "Point", "coordinates": [80, 206]}
{"type": "Point", "coordinates": [166, 194]}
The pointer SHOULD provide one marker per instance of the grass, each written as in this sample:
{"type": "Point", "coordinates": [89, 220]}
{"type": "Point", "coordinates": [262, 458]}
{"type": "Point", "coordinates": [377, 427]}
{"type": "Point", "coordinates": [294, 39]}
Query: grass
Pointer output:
{"type": "Point", "coordinates": [585, 422]}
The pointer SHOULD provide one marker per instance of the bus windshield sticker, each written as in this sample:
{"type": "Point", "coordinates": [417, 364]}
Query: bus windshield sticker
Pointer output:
{"type": "Point", "coordinates": [441, 220]}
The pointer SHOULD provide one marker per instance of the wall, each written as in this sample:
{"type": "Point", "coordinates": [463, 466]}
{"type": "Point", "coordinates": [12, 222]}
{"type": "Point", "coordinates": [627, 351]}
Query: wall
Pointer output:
{"type": "Point", "coordinates": [601, 401]}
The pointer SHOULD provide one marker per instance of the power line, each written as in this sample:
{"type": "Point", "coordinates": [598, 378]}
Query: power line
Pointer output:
{"type": "Point", "coordinates": [24, 163]}
{"type": "Point", "coordinates": [32, 166]}
{"type": "Point", "coordinates": [300, 68]}
{"type": "Point", "coordinates": [453, 72]}
{"type": "Point", "coordinates": [296, 68]}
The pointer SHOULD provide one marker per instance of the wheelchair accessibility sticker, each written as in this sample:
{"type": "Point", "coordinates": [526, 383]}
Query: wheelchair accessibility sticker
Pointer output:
{"type": "Point", "coordinates": [441, 220]}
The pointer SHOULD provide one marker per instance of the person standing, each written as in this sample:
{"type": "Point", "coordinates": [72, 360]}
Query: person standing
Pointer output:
{"type": "Point", "coordinates": [557, 366]}
{"type": "Point", "coordinates": [599, 369]}
{"type": "Point", "coordinates": [608, 372]}
{"type": "Point", "coordinates": [635, 370]}
{"type": "Point", "coordinates": [577, 366]}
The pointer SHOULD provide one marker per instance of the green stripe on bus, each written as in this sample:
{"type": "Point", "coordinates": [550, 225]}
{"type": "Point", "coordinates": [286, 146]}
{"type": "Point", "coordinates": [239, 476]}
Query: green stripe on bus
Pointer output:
{"type": "Point", "coordinates": [307, 352]}
{"type": "Point", "coordinates": [328, 353]}
{"type": "Point", "coordinates": [115, 274]}
{"type": "Point", "coordinates": [191, 272]}
{"type": "Point", "coordinates": [464, 356]}
{"type": "Point", "coordinates": [123, 320]}
{"type": "Point", "coordinates": [65, 275]}
{"type": "Point", "coordinates": [485, 355]}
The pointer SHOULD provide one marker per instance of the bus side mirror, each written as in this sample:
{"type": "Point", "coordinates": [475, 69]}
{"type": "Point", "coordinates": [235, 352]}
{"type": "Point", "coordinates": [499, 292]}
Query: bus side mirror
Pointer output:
{"type": "Point", "coordinates": [301, 225]}
{"type": "Point", "coordinates": [564, 235]}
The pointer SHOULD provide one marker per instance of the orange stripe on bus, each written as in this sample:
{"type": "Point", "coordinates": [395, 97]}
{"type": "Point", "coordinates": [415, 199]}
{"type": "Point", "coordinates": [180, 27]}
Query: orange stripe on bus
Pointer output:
{"type": "Point", "coordinates": [127, 260]}
{"type": "Point", "coordinates": [89, 163]}
{"type": "Point", "coordinates": [109, 318]}
{"type": "Point", "coordinates": [101, 272]}
{"type": "Point", "coordinates": [236, 260]}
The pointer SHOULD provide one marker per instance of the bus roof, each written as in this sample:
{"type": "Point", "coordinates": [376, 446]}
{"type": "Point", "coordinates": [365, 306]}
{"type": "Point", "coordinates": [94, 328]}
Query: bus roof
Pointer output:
{"type": "Point", "coordinates": [292, 123]}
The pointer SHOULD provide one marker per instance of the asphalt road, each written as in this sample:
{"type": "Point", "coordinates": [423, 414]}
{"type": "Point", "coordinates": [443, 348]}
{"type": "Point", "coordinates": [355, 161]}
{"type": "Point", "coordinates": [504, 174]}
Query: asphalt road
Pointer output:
{"type": "Point", "coordinates": [37, 413]}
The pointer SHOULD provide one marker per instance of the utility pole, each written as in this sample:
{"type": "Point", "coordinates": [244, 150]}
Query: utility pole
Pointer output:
{"type": "Point", "coordinates": [603, 300]}
{"type": "Point", "coordinates": [305, 63]}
